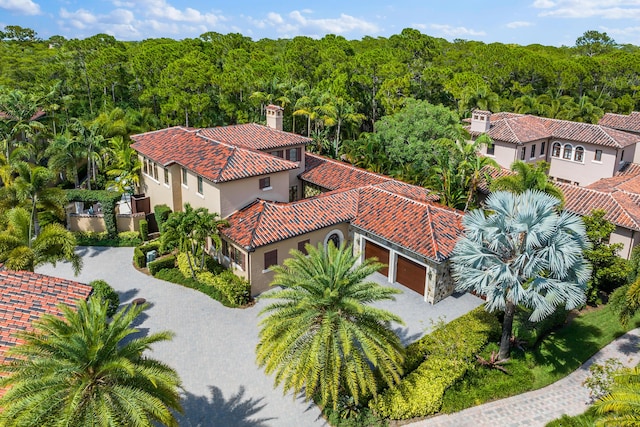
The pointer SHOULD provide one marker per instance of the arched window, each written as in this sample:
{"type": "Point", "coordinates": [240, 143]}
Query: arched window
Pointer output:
{"type": "Point", "coordinates": [579, 155]}
{"type": "Point", "coordinates": [555, 152]}
{"type": "Point", "coordinates": [334, 236]}
{"type": "Point", "coordinates": [567, 152]}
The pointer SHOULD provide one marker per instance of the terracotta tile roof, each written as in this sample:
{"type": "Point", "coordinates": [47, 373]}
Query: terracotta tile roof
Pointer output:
{"type": "Point", "coordinates": [215, 161]}
{"type": "Point", "coordinates": [427, 229]}
{"type": "Point", "coordinates": [623, 209]}
{"type": "Point", "coordinates": [419, 194]}
{"type": "Point", "coordinates": [38, 115]}
{"type": "Point", "coordinates": [629, 122]}
{"type": "Point", "coordinates": [333, 175]}
{"type": "Point", "coordinates": [254, 136]}
{"type": "Point", "coordinates": [519, 129]}
{"type": "Point", "coordinates": [263, 222]}
{"type": "Point", "coordinates": [628, 169]}
{"type": "Point", "coordinates": [26, 296]}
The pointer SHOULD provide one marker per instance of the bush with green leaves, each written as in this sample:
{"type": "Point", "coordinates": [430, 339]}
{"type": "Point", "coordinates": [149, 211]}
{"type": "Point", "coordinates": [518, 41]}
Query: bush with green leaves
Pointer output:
{"type": "Point", "coordinates": [235, 289]}
{"type": "Point", "coordinates": [168, 261]}
{"type": "Point", "coordinates": [107, 294]}
{"type": "Point", "coordinates": [174, 275]}
{"type": "Point", "coordinates": [434, 363]}
{"type": "Point", "coordinates": [140, 253]}
{"type": "Point", "coordinates": [144, 229]}
{"type": "Point", "coordinates": [187, 264]}
{"type": "Point", "coordinates": [161, 213]}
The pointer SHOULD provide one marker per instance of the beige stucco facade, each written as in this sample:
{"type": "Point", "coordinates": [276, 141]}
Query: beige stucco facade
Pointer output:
{"type": "Point", "coordinates": [628, 238]}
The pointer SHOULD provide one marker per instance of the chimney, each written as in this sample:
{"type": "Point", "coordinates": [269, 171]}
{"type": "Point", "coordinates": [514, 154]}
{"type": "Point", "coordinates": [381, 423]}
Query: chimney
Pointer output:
{"type": "Point", "coordinates": [274, 116]}
{"type": "Point", "coordinates": [480, 122]}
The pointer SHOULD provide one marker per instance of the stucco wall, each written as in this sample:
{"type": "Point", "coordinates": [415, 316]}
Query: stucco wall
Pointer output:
{"type": "Point", "coordinates": [590, 170]}
{"type": "Point", "coordinates": [157, 190]}
{"type": "Point", "coordinates": [504, 153]}
{"type": "Point", "coordinates": [86, 222]}
{"type": "Point", "coordinates": [237, 194]}
{"type": "Point", "coordinates": [260, 279]}
{"type": "Point", "coordinates": [129, 222]}
{"type": "Point", "coordinates": [628, 238]}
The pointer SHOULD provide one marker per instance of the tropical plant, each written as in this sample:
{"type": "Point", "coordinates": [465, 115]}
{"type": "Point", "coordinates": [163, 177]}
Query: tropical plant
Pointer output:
{"type": "Point", "coordinates": [527, 177]}
{"type": "Point", "coordinates": [19, 119]}
{"type": "Point", "coordinates": [19, 251]}
{"type": "Point", "coordinates": [66, 153]}
{"type": "Point", "coordinates": [321, 336]}
{"type": "Point", "coordinates": [620, 406]}
{"type": "Point", "coordinates": [84, 370]}
{"type": "Point", "coordinates": [522, 251]}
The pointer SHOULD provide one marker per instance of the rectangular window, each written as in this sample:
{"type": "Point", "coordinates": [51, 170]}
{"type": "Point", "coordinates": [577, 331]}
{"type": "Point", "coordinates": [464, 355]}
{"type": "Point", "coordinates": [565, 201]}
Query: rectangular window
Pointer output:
{"type": "Point", "coordinates": [155, 171]}
{"type": "Point", "coordinates": [237, 257]}
{"type": "Point", "coordinates": [265, 182]}
{"type": "Point", "coordinates": [270, 258]}
{"type": "Point", "coordinates": [523, 153]}
{"type": "Point", "coordinates": [622, 156]}
{"type": "Point", "coordinates": [146, 166]}
{"type": "Point", "coordinates": [184, 176]}
{"type": "Point", "coordinates": [225, 248]}
{"type": "Point", "coordinates": [293, 193]}
{"type": "Point", "coordinates": [200, 191]}
{"type": "Point", "coordinates": [166, 176]}
{"type": "Point", "coordinates": [542, 147]}
{"type": "Point", "coordinates": [294, 154]}
{"type": "Point", "coordinates": [598, 156]}
{"type": "Point", "coordinates": [278, 153]}
{"type": "Point", "coordinates": [491, 149]}
{"type": "Point", "coordinates": [301, 246]}
{"type": "Point", "coordinates": [533, 151]}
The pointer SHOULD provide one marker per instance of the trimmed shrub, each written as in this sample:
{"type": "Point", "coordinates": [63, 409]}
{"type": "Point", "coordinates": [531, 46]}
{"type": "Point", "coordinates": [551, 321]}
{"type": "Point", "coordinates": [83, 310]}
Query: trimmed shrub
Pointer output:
{"type": "Point", "coordinates": [161, 212]}
{"type": "Point", "coordinates": [434, 363]}
{"type": "Point", "coordinates": [144, 229]}
{"type": "Point", "coordinates": [140, 253]}
{"type": "Point", "coordinates": [108, 199]}
{"type": "Point", "coordinates": [183, 264]}
{"type": "Point", "coordinates": [106, 293]}
{"type": "Point", "coordinates": [159, 264]}
{"type": "Point", "coordinates": [174, 275]}
{"type": "Point", "coordinates": [236, 290]}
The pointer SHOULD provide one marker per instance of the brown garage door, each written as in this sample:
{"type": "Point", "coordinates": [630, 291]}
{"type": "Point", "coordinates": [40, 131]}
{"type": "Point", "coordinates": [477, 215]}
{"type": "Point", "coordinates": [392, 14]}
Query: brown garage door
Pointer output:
{"type": "Point", "coordinates": [372, 250]}
{"type": "Point", "coordinates": [411, 274]}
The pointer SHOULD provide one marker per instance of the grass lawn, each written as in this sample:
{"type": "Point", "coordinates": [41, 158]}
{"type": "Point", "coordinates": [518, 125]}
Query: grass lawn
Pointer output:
{"type": "Point", "coordinates": [559, 354]}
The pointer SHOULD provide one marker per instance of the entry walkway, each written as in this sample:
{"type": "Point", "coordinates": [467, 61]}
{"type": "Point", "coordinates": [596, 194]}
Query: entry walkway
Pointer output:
{"type": "Point", "coordinates": [538, 407]}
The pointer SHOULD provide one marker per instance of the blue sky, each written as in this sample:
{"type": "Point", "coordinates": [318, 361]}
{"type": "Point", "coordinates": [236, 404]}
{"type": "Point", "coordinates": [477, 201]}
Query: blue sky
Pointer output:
{"type": "Point", "coordinates": [548, 22]}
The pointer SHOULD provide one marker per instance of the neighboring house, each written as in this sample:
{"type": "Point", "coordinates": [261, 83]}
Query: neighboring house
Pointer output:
{"type": "Point", "coordinates": [628, 123]}
{"type": "Point", "coordinates": [253, 176]}
{"type": "Point", "coordinates": [578, 153]}
{"type": "Point", "coordinates": [26, 296]}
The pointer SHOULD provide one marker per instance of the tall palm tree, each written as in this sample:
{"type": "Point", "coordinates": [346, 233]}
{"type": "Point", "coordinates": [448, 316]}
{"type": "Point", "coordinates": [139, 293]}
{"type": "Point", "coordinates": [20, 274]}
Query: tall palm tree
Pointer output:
{"type": "Point", "coordinates": [84, 370]}
{"type": "Point", "coordinates": [528, 177]}
{"type": "Point", "coordinates": [207, 225]}
{"type": "Point", "coordinates": [521, 251]}
{"type": "Point", "coordinates": [320, 335]}
{"type": "Point", "coordinates": [20, 118]}
{"type": "Point", "coordinates": [620, 406]}
{"type": "Point", "coordinates": [124, 168]}
{"type": "Point", "coordinates": [19, 251]}
{"type": "Point", "coordinates": [66, 153]}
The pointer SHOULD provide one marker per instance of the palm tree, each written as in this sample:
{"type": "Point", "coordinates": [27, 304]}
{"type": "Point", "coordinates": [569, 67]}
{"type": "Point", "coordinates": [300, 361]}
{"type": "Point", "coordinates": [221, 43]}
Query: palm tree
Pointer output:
{"type": "Point", "coordinates": [321, 336]}
{"type": "Point", "coordinates": [337, 112]}
{"type": "Point", "coordinates": [20, 118]}
{"type": "Point", "coordinates": [521, 251]}
{"type": "Point", "coordinates": [528, 177]}
{"type": "Point", "coordinates": [207, 225]}
{"type": "Point", "coordinates": [620, 406]}
{"type": "Point", "coordinates": [84, 370]}
{"type": "Point", "coordinates": [65, 153]}
{"type": "Point", "coordinates": [125, 165]}
{"type": "Point", "coordinates": [19, 251]}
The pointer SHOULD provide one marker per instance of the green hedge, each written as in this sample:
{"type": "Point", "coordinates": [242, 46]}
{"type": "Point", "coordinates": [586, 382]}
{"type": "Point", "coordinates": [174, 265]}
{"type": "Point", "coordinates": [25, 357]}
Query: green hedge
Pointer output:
{"type": "Point", "coordinates": [161, 263]}
{"type": "Point", "coordinates": [140, 253]}
{"type": "Point", "coordinates": [144, 229]}
{"type": "Point", "coordinates": [101, 238]}
{"type": "Point", "coordinates": [235, 289]}
{"type": "Point", "coordinates": [434, 363]}
{"type": "Point", "coordinates": [107, 198]}
{"type": "Point", "coordinates": [105, 292]}
{"type": "Point", "coordinates": [174, 275]}
{"type": "Point", "coordinates": [161, 213]}
{"type": "Point", "coordinates": [183, 264]}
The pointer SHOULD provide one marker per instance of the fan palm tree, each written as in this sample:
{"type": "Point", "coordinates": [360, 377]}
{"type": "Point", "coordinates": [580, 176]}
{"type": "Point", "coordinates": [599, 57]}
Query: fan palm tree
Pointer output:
{"type": "Point", "coordinates": [620, 406]}
{"type": "Point", "coordinates": [321, 336]}
{"type": "Point", "coordinates": [84, 370]}
{"type": "Point", "coordinates": [528, 177]}
{"type": "Point", "coordinates": [521, 251]}
{"type": "Point", "coordinates": [19, 251]}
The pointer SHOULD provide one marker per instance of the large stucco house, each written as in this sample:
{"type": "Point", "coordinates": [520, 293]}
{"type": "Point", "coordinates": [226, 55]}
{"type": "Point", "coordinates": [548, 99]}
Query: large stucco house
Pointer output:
{"type": "Point", "coordinates": [277, 197]}
{"type": "Point", "coordinates": [578, 153]}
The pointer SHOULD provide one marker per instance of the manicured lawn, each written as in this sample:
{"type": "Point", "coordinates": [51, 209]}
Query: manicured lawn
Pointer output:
{"type": "Point", "coordinates": [559, 354]}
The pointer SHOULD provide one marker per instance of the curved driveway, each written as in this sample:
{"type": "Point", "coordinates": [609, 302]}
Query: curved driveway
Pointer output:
{"type": "Point", "coordinates": [213, 347]}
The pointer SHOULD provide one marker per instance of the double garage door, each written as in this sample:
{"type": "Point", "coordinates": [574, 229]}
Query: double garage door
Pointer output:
{"type": "Point", "coordinates": [408, 273]}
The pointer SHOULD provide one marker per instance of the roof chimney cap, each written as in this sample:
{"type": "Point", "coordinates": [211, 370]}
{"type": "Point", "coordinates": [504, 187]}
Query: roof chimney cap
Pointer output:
{"type": "Point", "coordinates": [274, 116]}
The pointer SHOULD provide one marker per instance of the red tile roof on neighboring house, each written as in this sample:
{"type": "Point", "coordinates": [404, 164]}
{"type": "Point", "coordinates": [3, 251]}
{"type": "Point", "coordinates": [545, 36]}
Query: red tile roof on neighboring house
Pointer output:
{"type": "Point", "coordinates": [254, 136]}
{"type": "Point", "coordinates": [215, 161]}
{"type": "Point", "coordinates": [519, 129]}
{"type": "Point", "coordinates": [38, 115]}
{"type": "Point", "coordinates": [625, 122]}
{"type": "Point", "coordinates": [333, 175]}
{"type": "Point", "coordinates": [26, 296]}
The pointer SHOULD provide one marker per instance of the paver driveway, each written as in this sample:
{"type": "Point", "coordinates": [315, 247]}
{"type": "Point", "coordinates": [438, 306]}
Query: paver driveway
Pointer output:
{"type": "Point", "coordinates": [213, 347]}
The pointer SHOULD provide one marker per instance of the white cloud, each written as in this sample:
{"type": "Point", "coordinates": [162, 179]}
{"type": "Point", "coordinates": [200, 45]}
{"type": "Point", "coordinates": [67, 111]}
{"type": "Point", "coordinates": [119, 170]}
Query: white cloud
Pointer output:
{"type": "Point", "coordinates": [80, 19]}
{"type": "Point", "coordinates": [22, 7]}
{"type": "Point", "coordinates": [163, 10]}
{"type": "Point", "coordinates": [451, 31]}
{"type": "Point", "coordinates": [519, 24]}
{"type": "Point", "coordinates": [298, 22]}
{"type": "Point", "coordinates": [607, 9]}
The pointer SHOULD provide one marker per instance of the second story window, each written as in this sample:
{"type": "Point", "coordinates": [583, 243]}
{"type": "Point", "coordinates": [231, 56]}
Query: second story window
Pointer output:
{"type": "Point", "coordinates": [533, 151]}
{"type": "Point", "coordinates": [270, 258]}
{"type": "Point", "coordinates": [567, 152]}
{"type": "Point", "coordinates": [579, 155]}
{"type": "Point", "coordinates": [166, 176]}
{"type": "Point", "coordinates": [294, 154]}
{"type": "Point", "coordinates": [491, 150]}
{"type": "Point", "coordinates": [278, 153]}
{"type": "Point", "coordinates": [146, 166]}
{"type": "Point", "coordinates": [523, 153]}
{"type": "Point", "coordinates": [200, 185]}
{"type": "Point", "coordinates": [265, 183]}
{"type": "Point", "coordinates": [598, 156]}
{"type": "Point", "coordinates": [184, 176]}
{"type": "Point", "coordinates": [155, 171]}
{"type": "Point", "coordinates": [555, 151]}
{"type": "Point", "coordinates": [542, 148]}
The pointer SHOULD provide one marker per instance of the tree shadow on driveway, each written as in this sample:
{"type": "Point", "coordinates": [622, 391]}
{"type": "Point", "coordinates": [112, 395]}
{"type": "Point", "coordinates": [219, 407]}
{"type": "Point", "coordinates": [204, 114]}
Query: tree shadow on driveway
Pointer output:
{"type": "Point", "coordinates": [215, 411]}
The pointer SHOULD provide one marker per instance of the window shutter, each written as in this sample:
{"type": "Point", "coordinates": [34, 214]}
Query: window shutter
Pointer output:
{"type": "Point", "coordinates": [270, 258]}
